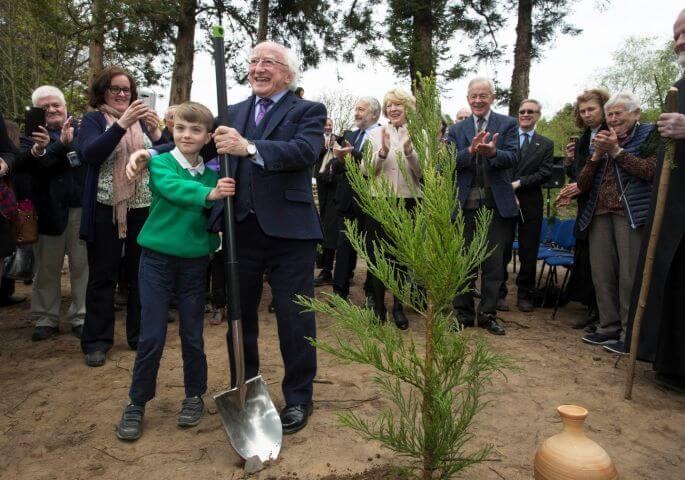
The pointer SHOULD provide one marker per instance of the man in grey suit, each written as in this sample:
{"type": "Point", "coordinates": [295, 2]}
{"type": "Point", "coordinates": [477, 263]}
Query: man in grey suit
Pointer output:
{"type": "Point", "coordinates": [486, 153]}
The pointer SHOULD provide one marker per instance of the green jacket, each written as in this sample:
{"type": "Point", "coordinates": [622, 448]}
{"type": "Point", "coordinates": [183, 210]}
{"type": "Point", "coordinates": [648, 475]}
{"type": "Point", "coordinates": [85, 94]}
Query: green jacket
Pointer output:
{"type": "Point", "coordinates": [177, 224]}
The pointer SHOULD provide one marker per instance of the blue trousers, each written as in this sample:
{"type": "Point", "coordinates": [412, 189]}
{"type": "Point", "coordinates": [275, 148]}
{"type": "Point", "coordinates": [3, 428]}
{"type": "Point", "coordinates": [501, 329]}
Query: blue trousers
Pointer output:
{"type": "Point", "coordinates": [159, 277]}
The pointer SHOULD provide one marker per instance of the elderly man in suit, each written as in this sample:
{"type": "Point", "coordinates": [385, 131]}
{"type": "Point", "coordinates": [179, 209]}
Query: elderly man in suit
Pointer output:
{"type": "Point", "coordinates": [533, 169]}
{"type": "Point", "coordinates": [273, 141]}
{"type": "Point", "coordinates": [367, 111]}
{"type": "Point", "coordinates": [486, 155]}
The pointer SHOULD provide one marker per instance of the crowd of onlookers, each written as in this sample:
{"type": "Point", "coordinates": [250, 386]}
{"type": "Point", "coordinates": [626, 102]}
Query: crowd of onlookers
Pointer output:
{"type": "Point", "coordinates": [87, 209]}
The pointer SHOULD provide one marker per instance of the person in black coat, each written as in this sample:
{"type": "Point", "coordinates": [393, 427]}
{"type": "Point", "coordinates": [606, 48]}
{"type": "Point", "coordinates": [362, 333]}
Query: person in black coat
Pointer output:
{"type": "Point", "coordinates": [533, 169]}
{"type": "Point", "coordinates": [330, 220]}
{"type": "Point", "coordinates": [366, 115]}
{"type": "Point", "coordinates": [114, 209]}
{"type": "Point", "coordinates": [57, 176]}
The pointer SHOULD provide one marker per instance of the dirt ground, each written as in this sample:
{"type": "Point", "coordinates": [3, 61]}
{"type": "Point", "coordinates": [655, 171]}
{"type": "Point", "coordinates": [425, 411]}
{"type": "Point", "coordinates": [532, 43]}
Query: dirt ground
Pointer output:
{"type": "Point", "coordinates": [58, 415]}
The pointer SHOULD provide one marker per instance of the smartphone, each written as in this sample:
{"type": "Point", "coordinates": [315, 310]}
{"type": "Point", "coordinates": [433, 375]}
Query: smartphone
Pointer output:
{"type": "Point", "coordinates": [73, 158]}
{"type": "Point", "coordinates": [34, 117]}
{"type": "Point", "coordinates": [573, 139]}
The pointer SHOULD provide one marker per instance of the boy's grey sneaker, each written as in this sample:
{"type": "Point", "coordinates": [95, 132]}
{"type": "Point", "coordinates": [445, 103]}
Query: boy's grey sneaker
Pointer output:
{"type": "Point", "coordinates": [191, 412]}
{"type": "Point", "coordinates": [131, 425]}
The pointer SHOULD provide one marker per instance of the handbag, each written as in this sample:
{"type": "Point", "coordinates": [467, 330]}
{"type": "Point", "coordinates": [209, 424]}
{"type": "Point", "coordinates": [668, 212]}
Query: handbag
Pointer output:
{"type": "Point", "coordinates": [19, 265]}
{"type": "Point", "coordinates": [25, 223]}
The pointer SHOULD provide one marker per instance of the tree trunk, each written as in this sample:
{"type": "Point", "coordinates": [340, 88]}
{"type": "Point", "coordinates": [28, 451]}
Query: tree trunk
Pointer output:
{"type": "Point", "coordinates": [182, 76]}
{"type": "Point", "coordinates": [96, 49]}
{"type": "Point", "coordinates": [520, 78]}
{"type": "Point", "coordinates": [263, 20]}
{"type": "Point", "coordinates": [426, 407]}
{"type": "Point", "coordinates": [422, 59]}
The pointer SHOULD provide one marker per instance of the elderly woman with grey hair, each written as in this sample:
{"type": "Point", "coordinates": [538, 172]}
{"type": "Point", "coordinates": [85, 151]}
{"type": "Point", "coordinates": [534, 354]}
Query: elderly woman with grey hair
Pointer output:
{"type": "Point", "coordinates": [618, 179]}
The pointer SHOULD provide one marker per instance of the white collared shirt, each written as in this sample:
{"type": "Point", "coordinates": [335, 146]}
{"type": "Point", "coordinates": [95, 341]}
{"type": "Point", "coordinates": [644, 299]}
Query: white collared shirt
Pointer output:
{"type": "Point", "coordinates": [485, 125]}
{"type": "Point", "coordinates": [198, 169]}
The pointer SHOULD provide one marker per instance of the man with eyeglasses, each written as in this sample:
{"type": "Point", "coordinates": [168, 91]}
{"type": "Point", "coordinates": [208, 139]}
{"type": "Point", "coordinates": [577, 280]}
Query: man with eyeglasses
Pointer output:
{"type": "Point", "coordinates": [533, 169]}
{"type": "Point", "coordinates": [58, 178]}
{"type": "Point", "coordinates": [273, 141]}
{"type": "Point", "coordinates": [486, 155]}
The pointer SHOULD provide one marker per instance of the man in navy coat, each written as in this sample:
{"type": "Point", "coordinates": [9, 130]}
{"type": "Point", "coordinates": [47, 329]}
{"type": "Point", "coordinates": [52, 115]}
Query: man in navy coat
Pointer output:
{"type": "Point", "coordinates": [486, 153]}
{"type": "Point", "coordinates": [273, 140]}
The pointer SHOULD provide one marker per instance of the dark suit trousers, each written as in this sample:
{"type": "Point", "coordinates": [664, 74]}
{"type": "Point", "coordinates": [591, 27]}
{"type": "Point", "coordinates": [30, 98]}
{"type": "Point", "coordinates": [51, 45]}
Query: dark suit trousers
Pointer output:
{"type": "Point", "coordinates": [290, 264]}
{"type": "Point", "coordinates": [529, 241]}
{"type": "Point", "coordinates": [104, 256]}
{"type": "Point", "coordinates": [491, 269]}
{"type": "Point", "coordinates": [345, 255]}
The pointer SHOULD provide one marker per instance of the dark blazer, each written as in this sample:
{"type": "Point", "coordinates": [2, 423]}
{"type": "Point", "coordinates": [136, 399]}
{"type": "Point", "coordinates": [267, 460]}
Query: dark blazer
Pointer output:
{"type": "Point", "coordinates": [290, 143]}
{"type": "Point", "coordinates": [533, 170]}
{"type": "Point", "coordinates": [496, 170]}
{"type": "Point", "coordinates": [344, 194]}
{"type": "Point", "coordinates": [56, 185]}
{"type": "Point", "coordinates": [95, 143]}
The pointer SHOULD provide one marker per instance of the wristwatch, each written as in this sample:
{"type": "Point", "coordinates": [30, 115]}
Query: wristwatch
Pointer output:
{"type": "Point", "coordinates": [251, 149]}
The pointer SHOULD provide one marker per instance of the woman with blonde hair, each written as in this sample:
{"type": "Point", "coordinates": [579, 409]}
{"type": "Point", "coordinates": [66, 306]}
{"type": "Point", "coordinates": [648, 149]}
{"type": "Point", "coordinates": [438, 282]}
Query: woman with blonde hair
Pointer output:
{"type": "Point", "coordinates": [392, 147]}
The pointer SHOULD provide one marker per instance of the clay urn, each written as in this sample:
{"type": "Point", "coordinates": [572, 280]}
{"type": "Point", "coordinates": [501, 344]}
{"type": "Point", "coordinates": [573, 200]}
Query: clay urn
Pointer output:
{"type": "Point", "coordinates": [570, 455]}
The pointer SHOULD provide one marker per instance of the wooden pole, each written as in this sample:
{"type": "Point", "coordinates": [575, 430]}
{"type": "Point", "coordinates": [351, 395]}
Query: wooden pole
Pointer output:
{"type": "Point", "coordinates": [662, 193]}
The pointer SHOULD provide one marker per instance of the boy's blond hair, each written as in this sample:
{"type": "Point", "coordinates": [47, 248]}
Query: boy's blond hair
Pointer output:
{"type": "Point", "coordinates": [194, 112]}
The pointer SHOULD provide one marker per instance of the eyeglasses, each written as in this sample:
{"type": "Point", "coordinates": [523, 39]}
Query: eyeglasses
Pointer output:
{"type": "Point", "coordinates": [480, 96]}
{"type": "Point", "coordinates": [266, 62]}
{"type": "Point", "coordinates": [527, 112]}
{"type": "Point", "coordinates": [117, 90]}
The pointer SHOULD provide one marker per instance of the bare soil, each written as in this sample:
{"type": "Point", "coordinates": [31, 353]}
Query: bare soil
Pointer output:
{"type": "Point", "coordinates": [58, 415]}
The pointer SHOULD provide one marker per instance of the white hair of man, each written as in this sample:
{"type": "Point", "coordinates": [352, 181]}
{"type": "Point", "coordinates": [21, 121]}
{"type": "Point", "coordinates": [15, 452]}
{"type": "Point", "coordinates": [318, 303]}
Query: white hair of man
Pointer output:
{"type": "Point", "coordinates": [374, 105]}
{"type": "Point", "coordinates": [47, 91]}
{"type": "Point", "coordinates": [479, 80]}
{"type": "Point", "coordinates": [626, 99]}
{"type": "Point", "coordinates": [291, 62]}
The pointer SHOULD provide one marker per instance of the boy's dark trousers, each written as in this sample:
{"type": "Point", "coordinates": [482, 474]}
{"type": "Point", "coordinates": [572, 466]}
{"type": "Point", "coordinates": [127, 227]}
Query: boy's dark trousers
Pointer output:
{"type": "Point", "coordinates": [159, 277]}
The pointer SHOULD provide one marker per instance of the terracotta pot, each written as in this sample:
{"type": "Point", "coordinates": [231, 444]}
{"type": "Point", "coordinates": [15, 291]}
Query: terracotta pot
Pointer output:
{"type": "Point", "coordinates": [570, 455]}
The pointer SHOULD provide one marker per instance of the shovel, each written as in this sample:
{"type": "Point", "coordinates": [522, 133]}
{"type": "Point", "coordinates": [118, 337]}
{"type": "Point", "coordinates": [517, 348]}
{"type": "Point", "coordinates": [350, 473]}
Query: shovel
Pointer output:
{"type": "Point", "coordinates": [246, 410]}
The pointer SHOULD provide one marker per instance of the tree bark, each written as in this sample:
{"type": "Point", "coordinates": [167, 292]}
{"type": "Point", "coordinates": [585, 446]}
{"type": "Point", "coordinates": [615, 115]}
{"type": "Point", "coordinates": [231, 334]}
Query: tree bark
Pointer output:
{"type": "Point", "coordinates": [422, 58]}
{"type": "Point", "coordinates": [520, 78]}
{"type": "Point", "coordinates": [96, 49]}
{"type": "Point", "coordinates": [263, 20]}
{"type": "Point", "coordinates": [182, 76]}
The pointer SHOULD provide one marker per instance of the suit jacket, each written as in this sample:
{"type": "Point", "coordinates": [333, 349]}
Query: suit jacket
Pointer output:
{"type": "Point", "coordinates": [496, 170]}
{"type": "Point", "coordinates": [344, 194]}
{"type": "Point", "coordinates": [289, 145]}
{"type": "Point", "coordinates": [7, 152]}
{"type": "Point", "coordinates": [57, 186]}
{"type": "Point", "coordinates": [533, 170]}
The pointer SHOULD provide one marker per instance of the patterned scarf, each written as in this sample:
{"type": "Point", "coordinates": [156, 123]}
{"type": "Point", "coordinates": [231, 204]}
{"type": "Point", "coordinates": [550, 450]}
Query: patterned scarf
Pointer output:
{"type": "Point", "coordinates": [122, 189]}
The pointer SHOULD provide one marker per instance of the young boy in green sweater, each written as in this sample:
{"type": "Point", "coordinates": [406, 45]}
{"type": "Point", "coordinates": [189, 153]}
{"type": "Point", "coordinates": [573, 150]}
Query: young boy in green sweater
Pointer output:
{"type": "Point", "coordinates": [175, 255]}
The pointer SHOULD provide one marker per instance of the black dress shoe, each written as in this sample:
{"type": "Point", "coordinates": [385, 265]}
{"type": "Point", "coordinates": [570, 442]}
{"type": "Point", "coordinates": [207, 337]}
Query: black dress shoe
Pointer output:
{"type": "Point", "coordinates": [323, 278]}
{"type": "Point", "coordinates": [400, 318]}
{"type": "Point", "coordinates": [525, 305]}
{"type": "Point", "coordinates": [12, 300]}
{"type": "Point", "coordinates": [95, 359]}
{"type": "Point", "coordinates": [488, 321]}
{"type": "Point", "coordinates": [294, 417]}
{"type": "Point", "coordinates": [43, 333]}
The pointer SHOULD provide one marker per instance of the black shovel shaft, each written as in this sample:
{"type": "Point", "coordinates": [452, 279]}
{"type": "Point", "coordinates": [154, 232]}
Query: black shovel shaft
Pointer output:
{"type": "Point", "coordinates": [231, 287]}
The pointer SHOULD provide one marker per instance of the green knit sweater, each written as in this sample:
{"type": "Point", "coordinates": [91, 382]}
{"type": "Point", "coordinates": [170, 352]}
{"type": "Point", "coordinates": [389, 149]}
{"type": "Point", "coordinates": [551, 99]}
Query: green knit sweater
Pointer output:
{"type": "Point", "coordinates": [177, 224]}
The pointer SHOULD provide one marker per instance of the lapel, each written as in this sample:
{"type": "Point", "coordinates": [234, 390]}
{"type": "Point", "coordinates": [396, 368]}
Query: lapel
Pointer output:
{"type": "Point", "coordinates": [493, 124]}
{"type": "Point", "coordinates": [286, 104]}
{"type": "Point", "coordinates": [469, 129]}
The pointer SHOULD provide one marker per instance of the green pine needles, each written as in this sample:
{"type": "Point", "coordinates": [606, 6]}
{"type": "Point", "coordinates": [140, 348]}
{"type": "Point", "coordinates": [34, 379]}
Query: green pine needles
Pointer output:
{"type": "Point", "coordinates": [436, 383]}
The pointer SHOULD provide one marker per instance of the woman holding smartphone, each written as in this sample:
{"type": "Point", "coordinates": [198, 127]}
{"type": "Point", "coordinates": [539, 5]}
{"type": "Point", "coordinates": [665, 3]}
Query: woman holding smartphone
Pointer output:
{"type": "Point", "coordinates": [114, 209]}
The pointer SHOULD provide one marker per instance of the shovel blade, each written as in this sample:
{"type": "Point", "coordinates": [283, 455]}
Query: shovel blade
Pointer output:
{"type": "Point", "coordinates": [255, 429]}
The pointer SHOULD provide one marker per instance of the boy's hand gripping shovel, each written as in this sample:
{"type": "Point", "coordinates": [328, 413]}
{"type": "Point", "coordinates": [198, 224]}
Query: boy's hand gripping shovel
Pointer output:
{"type": "Point", "coordinates": [246, 410]}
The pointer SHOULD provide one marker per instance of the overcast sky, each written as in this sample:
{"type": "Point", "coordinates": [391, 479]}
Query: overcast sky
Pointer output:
{"type": "Point", "coordinates": [567, 67]}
